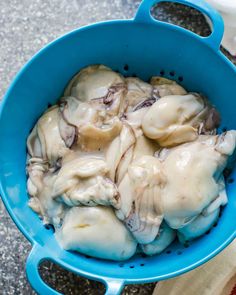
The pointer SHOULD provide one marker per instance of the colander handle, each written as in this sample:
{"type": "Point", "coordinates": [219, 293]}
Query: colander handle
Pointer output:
{"type": "Point", "coordinates": [113, 287]}
{"type": "Point", "coordinates": [37, 255]}
{"type": "Point", "coordinates": [214, 40]}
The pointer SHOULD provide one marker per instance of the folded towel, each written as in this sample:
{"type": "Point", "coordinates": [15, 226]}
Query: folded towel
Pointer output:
{"type": "Point", "coordinates": [216, 277]}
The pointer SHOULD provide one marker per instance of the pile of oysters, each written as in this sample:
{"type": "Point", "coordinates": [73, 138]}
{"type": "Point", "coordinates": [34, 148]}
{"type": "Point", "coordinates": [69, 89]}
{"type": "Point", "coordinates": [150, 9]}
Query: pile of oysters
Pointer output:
{"type": "Point", "coordinates": [120, 165]}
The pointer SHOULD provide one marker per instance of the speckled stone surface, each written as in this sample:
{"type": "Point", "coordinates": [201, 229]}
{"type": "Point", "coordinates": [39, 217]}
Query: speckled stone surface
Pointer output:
{"type": "Point", "coordinates": [25, 27]}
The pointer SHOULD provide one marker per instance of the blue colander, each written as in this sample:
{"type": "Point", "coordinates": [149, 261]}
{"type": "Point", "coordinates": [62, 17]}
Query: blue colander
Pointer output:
{"type": "Point", "coordinates": [141, 46]}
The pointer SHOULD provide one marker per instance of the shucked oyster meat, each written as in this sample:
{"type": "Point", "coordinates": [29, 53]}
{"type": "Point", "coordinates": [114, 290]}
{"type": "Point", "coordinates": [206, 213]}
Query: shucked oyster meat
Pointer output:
{"type": "Point", "coordinates": [139, 94]}
{"type": "Point", "coordinates": [40, 186]}
{"type": "Point", "coordinates": [164, 87]}
{"type": "Point", "coordinates": [177, 119]}
{"type": "Point", "coordinates": [119, 164]}
{"type": "Point", "coordinates": [194, 176]}
{"type": "Point", "coordinates": [92, 127]}
{"type": "Point", "coordinates": [95, 82]}
{"type": "Point", "coordinates": [83, 181]}
{"type": "Point", "coordinates": [141, 204]}
{"type": "Point", "coordinates": [93, 103]}
{"type": "Point", "coordinates": [97, 232]}
{"type": "Point", "coordinates": [164, 238]}
{"type": "Point", "coordinates": [45, 140]}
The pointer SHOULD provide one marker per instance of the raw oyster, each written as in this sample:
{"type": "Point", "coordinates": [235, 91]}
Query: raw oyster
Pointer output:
{"type": "Point", "coordinates": [165, 237]}
{"type": "Point", "coordinates": [164, 87]}
{"type": "Point", "coordinates": [141, 204]}
{"type": "Point", "coordinates": [189, 190]}
{"type": "Point", "coordinates": [177, 119]}
{"type": "Point", "coordinates": [83, 181]}
{"type": "Point", "coordinates": [97, 232]}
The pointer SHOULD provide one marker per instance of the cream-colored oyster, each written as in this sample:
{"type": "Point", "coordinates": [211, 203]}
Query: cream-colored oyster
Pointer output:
{"type": "Point", "coordinates": [120, 152]}
{"type": "Point", "coordinates": [176, 119]}
{"type": "Point", "coordinates": [165, 87]}
{"type": "Point", "coordinates": [83, 181]}
{"type": "Point", "coordinates": [142, 95]}
{"type": "Point", "coordinates": [165, 237]}
{"type": "Point", "coordinates": [121, 155]}
{"type": "Point", "coordinates": [36, 169]}
{"type": "Point", "coordinates": [93, 103]}
{"type": "Point", "coordinates": [139, 94]}
{"type": "Point", "coordinates": [33, 144]}
{"type": "Point", "coordinates": [198, 226]}
{"type": "Point", "coordinates": [68, 132]}
{"type": "Point", "coordinates": [221, 199]}
{"type": "Point", "coordinates": [45, 140]}
{"type": "Point", "coordinates": [134, 119]}
{"type": "Point", "coordinates": [97, 232]}
{"type": "Point", "coordinates": [194, 176]}
{"type": "Point", "coordinates": [144, 146]}
{"type": "Point", "coordinates": [95, 128]}
{"type": "Point", "coordinates": [77, 113]}
{"type": "Point", "coordinates": [124, 149]}
{"type": "Point", "coordinates": [40, 188]}
{"type": "Point", "coordinates": [53, 146]}
{"type": "Point", "coordinates": [94, 82]}
{"type": "Point", "coordinates": [92, 137]}
{"type": "Point", "coordinates": [141, 204]}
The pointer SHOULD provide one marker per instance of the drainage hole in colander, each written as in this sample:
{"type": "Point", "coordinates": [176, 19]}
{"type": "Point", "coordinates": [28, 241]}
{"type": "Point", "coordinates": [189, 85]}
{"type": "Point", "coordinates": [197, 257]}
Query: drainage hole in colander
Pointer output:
{"type": "Point", "coordinates": [172, 73]}
{"type": "Point", "coordinates": [88, 257]}
{"type": "Point", "coordinates": [227, 172]}
{"type": "Point", "coordinates": [179, 252]}
{"type": "Point", "coordinates": [131, 266]}
{"type": "Point", "coordinates": [126, 68]}
{"type": "Point", "coordinates": [49, 227]}
{"type": "Point", "coordinates": [162, 72]}
{"type": "Point", "coordinates": [207, 233]}
{"type": "Point", "coordinates": [168, 252]}
{"type": "Point", "coordinates": [231, 180]}
{"type": "Point", "coordinates": [181, 79]}
{"type": "Point", "coordinates": [121, 265]}
{"type": "Point", "coordinates": [142, 264]}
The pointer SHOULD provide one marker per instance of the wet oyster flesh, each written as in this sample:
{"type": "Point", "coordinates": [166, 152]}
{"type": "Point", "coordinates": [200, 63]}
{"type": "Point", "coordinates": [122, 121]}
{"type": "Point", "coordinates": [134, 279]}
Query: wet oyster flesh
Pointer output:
{"type": "Point", "coordinates": [119, 164]}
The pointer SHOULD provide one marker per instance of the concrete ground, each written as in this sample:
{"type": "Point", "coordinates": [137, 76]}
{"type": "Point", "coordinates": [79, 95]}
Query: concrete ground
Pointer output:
{"type": "Point", "coordinates": [25, 27]}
